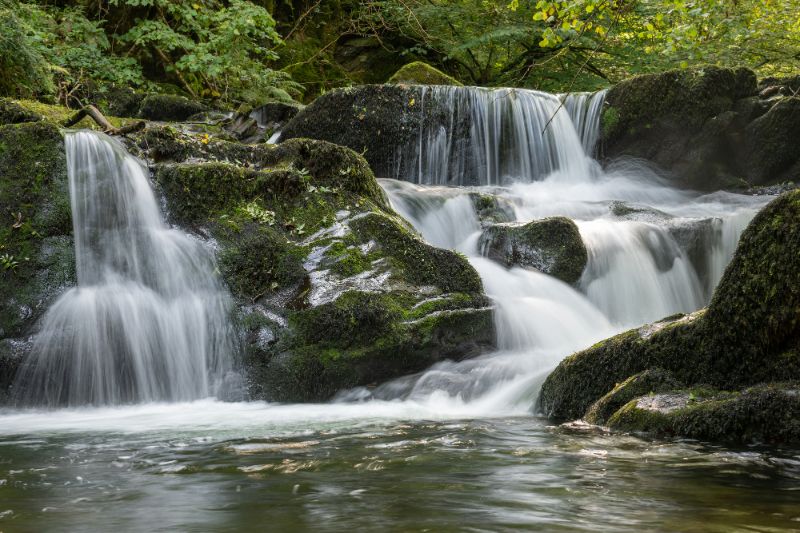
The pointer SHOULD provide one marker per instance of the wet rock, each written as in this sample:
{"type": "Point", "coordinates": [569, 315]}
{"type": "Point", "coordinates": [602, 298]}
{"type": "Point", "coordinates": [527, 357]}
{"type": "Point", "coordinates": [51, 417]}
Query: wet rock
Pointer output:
{"type": "Point", "coordinates": [553, 246]}
{"type": "Point", "coordinates": [681, 120]}
{"type": "Point", "coordinates": [770, 154]}
{"type": "Point", "coordinates": [765, 414]}
{"type": "Point", "coordinates": [272, 116]}
{"type": "Point", "coordinates": [492, 209]}
{"type": "Point", "coordinates": [335, 290]}
{"type": "Point", "coordinates": [749, 334]}
{"type": "Point", "coordinates": [373, 120]}
{"type": "Point", "coordinates": [169, 107]}
{"type": "Point", "coordinates": [421, 73]}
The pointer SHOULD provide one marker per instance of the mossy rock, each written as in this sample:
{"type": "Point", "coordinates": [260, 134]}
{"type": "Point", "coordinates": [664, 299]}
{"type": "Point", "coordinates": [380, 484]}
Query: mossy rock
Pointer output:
{"type": "Point", "coordinates": [335, 289]}
{"type": "Point", "coordinates": [169, 107]}
{"type": "Point", "coordinates": [37, 259]}
{"type": "Point", "coordinates": [373, 120]}
{"type": "Point", "coordinates": [421, 73]}
{"type": "Point", "coordinates": [365, 338]}
{"type": "Point", "coordinates": [552, 245]}
{"type": "Point", "coordinates": [650, 381]}
{"type": "Point", "coordinates": [492, 209]}
{"type": "Point", "coordinates": [682, 120]}
{"type": "Point", "coordinates": [12, 112]}
{"type": "Point", "coordinates": [749, 334]}
{"type": "Point", "coordinates": [764, 414]}
{"type": "Point", "coordinates": [771, 153]}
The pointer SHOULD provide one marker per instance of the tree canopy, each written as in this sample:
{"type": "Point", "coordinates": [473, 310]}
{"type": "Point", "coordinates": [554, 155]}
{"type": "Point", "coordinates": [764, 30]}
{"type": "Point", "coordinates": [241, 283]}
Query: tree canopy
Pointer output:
{"type": "Point", "coordinates": [250, 51]}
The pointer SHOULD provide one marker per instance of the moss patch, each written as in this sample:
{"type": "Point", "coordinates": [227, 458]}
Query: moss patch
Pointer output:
{"type": "Point", "coordinates": [421, 73]}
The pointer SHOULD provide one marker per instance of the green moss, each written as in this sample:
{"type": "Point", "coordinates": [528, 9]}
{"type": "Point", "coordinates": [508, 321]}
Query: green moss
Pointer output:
{"type": "Point", "coordinates": [420, 263]}
{"type": "Point", "coordinates": [552, 245]}
{"type": "Point", "coordinates": [609, 121]}
{"type": "Point", "coordinates": [260, 261]}
{"type": "Point", "coordinates": [762, 414]}
{"type": "Point", "coordinates": [421, 73]}
{"type": "Point", "coordinates": [649, 381]}
{"type": "Point", "coordinates": [34, 239]}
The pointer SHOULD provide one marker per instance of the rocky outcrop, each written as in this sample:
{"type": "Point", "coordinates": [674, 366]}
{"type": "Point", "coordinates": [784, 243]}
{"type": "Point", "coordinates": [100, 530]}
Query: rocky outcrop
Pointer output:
{"type": "Point", "coordinates": [373, 120]}
{"type": "Point", "coordinates": [169, 107]}
{"type": "Point", "coordinates": [421, 73]}
{"type": "Point", "coordinates": [749, 335]}
{"type": "Point", "coordinates": [552, 246]}
{"type": "Point", "coordinates": [708, 126]}
{"type": "Point", "coordinates": [335, 289]}
{"type": "Point", "coordinates": [37, 260]}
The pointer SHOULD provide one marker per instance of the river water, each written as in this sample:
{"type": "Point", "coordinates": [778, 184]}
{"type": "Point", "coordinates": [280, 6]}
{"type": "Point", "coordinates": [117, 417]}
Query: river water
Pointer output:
{"type": "Point", "coordinates": [458, 447]}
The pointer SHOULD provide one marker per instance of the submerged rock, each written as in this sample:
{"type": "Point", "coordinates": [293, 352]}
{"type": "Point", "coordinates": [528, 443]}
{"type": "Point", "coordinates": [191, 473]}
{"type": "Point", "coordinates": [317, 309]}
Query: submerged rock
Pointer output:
{"type": "Point", "coordinates": [749, 334]}
{"type": "Point", "coordinates": [552, 246]}
{"type": "Point", "coordinates": [421, 73]}
{"type": "Point", "coordinates": [336, 290]}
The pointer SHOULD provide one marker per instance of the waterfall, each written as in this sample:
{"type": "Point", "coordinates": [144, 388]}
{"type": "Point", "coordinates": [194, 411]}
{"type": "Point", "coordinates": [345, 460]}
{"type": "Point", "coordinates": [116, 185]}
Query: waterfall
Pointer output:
{"type": "Point", "coordinates": [148, 320]}
{"type": "Point", "coordinates": [474, 136]}
{"type": "Point", "coordinates": [653, 250]}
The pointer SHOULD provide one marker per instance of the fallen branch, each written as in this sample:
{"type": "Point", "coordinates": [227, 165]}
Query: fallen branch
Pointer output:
{"type": "Point", "coordinates": [95, 114]}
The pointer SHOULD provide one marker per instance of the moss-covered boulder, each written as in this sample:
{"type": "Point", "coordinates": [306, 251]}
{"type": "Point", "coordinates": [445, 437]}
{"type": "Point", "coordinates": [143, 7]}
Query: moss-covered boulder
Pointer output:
{"type": "Point", "coordinates": [37, 261]}
{"type": "Point", "coordinates": [169, 107]}
{"type": "Point", "coordinates": [335, 289]}
{"type": "Point", "coordinates": [683, 120]}
{"type": "Point", "coordinates": [763, 414]}
{"type": "Point", "coordinates": [771, 153]}
{"type": "Point", "coordinates": [749, 334]}
{"type": "Point", "coordinates": [421, 73]}
{"type": "Point", "coordinates": [12, 112]}
{"type": "Point", "coordinates": [552, 245]}
{"type": "Point", "coordinates": [373, 120]}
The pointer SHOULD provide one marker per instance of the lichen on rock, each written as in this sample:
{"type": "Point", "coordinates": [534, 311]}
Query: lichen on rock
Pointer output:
{"type": "Point", "coordinates": [421, 73]}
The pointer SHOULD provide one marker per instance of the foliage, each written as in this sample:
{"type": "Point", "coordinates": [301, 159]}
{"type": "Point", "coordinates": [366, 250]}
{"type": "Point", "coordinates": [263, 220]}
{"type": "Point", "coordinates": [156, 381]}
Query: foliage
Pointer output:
{"type": "Point", "coordinates": [23, 70]}
{"type": "Point", "coordinates": [213, 48]}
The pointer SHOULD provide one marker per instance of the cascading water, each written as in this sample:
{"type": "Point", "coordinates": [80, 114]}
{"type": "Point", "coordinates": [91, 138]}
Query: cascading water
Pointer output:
{"type": "Point", "coordinates": [492, 137]}
{"type": "Point", "coordinates": [653, 250]}
{"type": "Point", "coordinates": [148, 320]}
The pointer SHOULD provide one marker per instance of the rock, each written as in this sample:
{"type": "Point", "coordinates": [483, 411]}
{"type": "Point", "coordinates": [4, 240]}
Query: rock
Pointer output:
{"type": "Point", "coordinates": [366, 59]}
{"type": "Point", "coordinates": [13, 113]}
{"type": "Point", "coordinates": [169, 107]}
{"type": "Point", "coordinates": [680, 120]}
{"type": "Point", "coordinates": [421, 73]}
{"type": "Point", "coordinates": [37, 261]}
{"type": "Point", "coordinates": [492, 209]}
{"type": "Point", "coordinates": [552, 245]}
{"type": "Point", "coordinates": [335, 290]}
{"type": "Point", "coordinates": [120, 102]}
{"type": "Point", "coordinates": [272, 116]}
{"type": "Point", "coordinates": [373, 120]}
{"type": "Point", "coordinates": [644, 383]}
{"type": "Point", "coordinates": [765, 414]}
{"type": "Point", "coordinates": [749, 334]}
{"type": "Point", "coordinates": [771, 153]}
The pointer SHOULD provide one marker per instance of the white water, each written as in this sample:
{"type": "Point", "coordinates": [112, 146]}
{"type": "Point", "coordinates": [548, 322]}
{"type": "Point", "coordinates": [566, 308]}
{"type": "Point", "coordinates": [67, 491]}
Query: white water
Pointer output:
{"type": "Point", "coordinates": [148, 321]}
{"type": "Point", "coordinates": [637, 272]}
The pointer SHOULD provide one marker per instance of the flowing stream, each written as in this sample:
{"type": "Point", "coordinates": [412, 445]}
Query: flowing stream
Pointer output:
{"type": "Point", "coordinates": [457, 447]}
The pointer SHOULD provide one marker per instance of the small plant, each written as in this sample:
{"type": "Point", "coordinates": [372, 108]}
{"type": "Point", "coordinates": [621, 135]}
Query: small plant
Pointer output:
{"type": "Point", "coordinates": [8, 262]}
{"type": "Point", "coordinates": [259, 214]}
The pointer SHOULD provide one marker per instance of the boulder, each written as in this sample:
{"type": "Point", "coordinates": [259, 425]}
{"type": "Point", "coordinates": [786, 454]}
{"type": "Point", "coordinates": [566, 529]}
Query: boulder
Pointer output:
{"type": "Point", "coordinates": [681, 120]}
{"type": "Point", "coordinates": [770, 148]}
{"type": "Point", "coordinates": [37, 260]}
{"type": "Point", "coordinates": [421, 73]}
{"type": "Point", "coordinates": [373, 120]}
{"type": "Point", "coordinates": [552, 246]}
{"type": "Point", "coordinates": [334, 289]}
{"type": "Point", "coordinates": [169, 107]}
{"type": "Point", "coordinates": [749, 334]}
